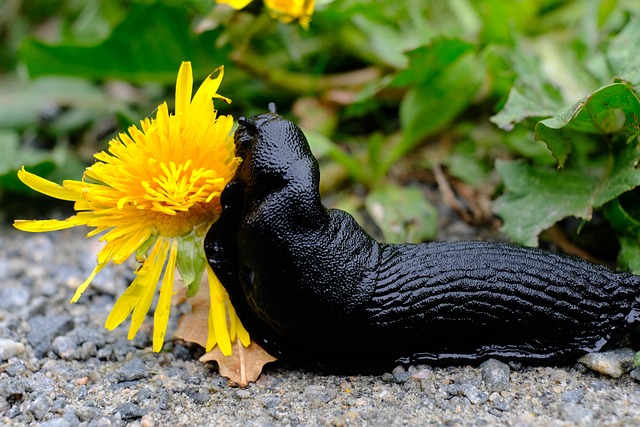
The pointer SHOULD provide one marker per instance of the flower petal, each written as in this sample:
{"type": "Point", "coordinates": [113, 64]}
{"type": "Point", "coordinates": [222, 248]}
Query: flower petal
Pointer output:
{"type": "Point", "coordinates": [41, 225]}
{"type": "Point", "coordinates": [85, 284]}
{"type": "Point", "coordinates": [236, 4]}
{"type": "Point", "coordinates": [217, 315]}
{"type": "Point", "coordinates": [155, 266]}
{"type": "Point", "coordinates": [161, 315]}
{"type": "Point", "coordinates": [184, 86]}
{"type": "Point", "coordinates": [47, 187]}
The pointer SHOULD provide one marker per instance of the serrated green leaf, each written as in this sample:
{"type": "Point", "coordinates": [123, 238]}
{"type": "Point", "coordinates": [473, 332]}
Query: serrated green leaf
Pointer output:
{"type": "Point", "coordinates": [538, 197]}
{"type": "Point", "coordinates": [531, 95]}
{"type": "Point", "coordinates": [608, 110]}
{"type": "Point", "coordinates": [147, 46]}
{"type": "Point", "coordinates": [402, 213]}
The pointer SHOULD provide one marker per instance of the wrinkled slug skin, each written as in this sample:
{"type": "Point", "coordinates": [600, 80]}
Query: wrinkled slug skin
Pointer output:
{"type": "Point", "coordinates": [314, 289]}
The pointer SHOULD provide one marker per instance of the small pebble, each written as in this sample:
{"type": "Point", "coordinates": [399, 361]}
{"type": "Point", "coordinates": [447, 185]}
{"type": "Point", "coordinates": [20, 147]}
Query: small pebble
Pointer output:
{"type": "Point", "coordinates": [130, 411]}
{"type": "Point", "coordinates": [132, 370]}
{"type": "Point", "coordinates": [613, 363]}
{"type": "Point", "coordinates": [10, 348]}
{"type": "Point", "coordinates": [65, 347]}
{"type": "Point", "coordinates": [495, 375]}
{"type": "Point", "coordinates": [45, 329]}
{"type": "Point", "coordinates": [39, 407]}
{"type": "Point", "coordinates": [475, 396]}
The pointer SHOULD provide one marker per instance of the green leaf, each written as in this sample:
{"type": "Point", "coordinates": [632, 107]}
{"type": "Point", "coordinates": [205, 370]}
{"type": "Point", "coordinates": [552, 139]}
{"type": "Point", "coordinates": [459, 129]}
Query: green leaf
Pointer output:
{"type": "Point", "coordinates": [621, 220]}
{"type": "Point", "coordinates": [148, 45]}
{"type": "Point", "coordinates": [531, 95]}
{"type": "Point", "coordinates": [402, 213]}
{"type": "Point", "coordinates": [622, 53]}
{"type": "Point", "coordinates": [537, 197]}
{"type": "Point", "coordinates": [56, 165]}
{"type": "Point", "coordinates": [437, 72]}
{"type": "Point", "coordinates": [38, 162]}
{"type": "Point", "coordinates": [23, 104]}
{"type": "Point", "coordinates": [629, 255]}
{"type": "Point", "coordinates": [608, 110]}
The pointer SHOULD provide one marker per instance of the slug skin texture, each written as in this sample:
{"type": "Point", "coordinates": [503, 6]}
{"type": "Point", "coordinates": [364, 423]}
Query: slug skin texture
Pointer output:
{"type": "Point", "coordinates": [316, 291]}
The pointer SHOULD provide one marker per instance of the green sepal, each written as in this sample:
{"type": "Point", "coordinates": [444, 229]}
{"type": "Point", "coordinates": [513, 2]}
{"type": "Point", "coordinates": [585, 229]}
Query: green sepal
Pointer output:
{"type": "Point", "coordinates": [143, 250]}
{"type": "Point", "coordinates": [191, 259]}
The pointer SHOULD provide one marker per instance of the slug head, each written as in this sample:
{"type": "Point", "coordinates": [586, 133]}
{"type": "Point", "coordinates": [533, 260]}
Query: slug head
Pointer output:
{"type": "Point", "coordinates": [275, 154]}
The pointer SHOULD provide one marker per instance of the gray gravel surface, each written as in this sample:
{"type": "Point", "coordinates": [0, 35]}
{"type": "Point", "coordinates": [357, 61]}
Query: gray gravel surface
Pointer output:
{"type": "Point", "coordinates": [60, 367]}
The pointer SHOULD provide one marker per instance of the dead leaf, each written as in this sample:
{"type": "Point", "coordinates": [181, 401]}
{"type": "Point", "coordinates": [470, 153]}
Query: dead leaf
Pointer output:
{"type": "Point", "coordinates": [245, 363]}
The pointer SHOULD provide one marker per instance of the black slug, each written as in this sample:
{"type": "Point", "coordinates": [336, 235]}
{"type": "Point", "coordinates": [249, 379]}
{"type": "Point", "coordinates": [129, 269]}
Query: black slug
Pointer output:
{"type": "Point", "coordinates": [312, 288]}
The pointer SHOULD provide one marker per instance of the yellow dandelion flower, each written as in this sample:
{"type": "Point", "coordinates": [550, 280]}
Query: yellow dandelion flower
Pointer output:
{"type": "Point", "coordinates": [285, 10]}
{"type": "Point", "coordinates": [155, 193]}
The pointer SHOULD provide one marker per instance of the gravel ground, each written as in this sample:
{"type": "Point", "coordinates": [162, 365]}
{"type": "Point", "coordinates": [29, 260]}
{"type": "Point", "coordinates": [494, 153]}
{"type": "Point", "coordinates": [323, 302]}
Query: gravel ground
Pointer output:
{"type": "Point", "coordinates": [60, 367]}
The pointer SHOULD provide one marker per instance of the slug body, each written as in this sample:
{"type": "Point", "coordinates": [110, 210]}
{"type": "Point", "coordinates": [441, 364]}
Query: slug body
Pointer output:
{"type": "Point", "coordinates": [312, 288]}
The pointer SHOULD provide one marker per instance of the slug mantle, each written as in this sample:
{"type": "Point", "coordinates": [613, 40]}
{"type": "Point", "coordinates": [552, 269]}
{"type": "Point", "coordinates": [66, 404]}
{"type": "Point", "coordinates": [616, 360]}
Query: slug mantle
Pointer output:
{"type": "Point", "coordinates": [313, 289]}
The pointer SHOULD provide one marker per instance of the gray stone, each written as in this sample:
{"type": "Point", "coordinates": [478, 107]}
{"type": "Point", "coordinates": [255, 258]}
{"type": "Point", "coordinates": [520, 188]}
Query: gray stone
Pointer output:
{"type": "Point", "coordinates": [65, 347]}
{"type": "Point", "coordinates": [86, 350]}
{"type": "Point", "coordinates": [45, 328]}
{"type": "Point", "coordinates": [87, 413]}
{"type": "Point", "coordinates": [132, 370]}
{"type": "Point", "coordinates": [495, 375]}
{"type": "Point", "coordinates": [475, 396]}
{"type": "Point", "coordinates": [16, 367]}
{"type": "Point", "coordinates": [41, 383]}
{"type": "Point", "coordinates": [130, 411]}
{"type": "Point", "coordinates": [14, 387]}
{"type": "Point", "coordinates": [499, 402]}
{"type": "Point", "coordinates": [39, 407]}
{"type": "Point", "coordinates": [613, 363]}
{"type": "Point", "coordinates": [10, 348]}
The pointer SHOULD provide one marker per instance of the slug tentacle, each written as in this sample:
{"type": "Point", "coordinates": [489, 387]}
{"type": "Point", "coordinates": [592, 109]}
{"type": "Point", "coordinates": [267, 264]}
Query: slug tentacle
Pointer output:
{"type": "Point", "coordinates": [314, 289]}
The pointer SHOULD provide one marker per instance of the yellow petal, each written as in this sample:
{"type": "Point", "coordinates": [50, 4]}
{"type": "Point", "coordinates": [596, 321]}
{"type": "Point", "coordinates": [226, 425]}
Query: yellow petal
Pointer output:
{"type": "Point", "coordinates": [84, 285]}
{"type": "Point", "coordinates": [184, 86]}
{"type": "Point", "coordinates": [153, 269]}
{"type": "Point", "coordinates": [236, 4]}
{"type": "Point", "coordinates": [208, 90]}
{"type": "Point", "coordinates": [240, 332]}
{"type": "Point", "coordinates": [161, 315]}
{"type": "Point", "coordinates": [218, 314]}
{"type": "Point", "coordinates": [139, 294]}
{"type": "Point", "coordinates": [47, 187]}
{"type": "Point", "coordinates": [38, 226]}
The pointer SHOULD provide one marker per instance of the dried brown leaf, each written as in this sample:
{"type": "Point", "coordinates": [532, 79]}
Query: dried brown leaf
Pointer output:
{"type": "Point", "coordinates": [243, 366]}
{"type": "Point", "coordinates": [245, 363]}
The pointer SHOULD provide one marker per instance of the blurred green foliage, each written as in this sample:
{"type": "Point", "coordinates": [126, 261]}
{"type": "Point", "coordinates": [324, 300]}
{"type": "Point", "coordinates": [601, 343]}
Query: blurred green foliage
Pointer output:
{"type": "Point", "coordinates": [534, 102]}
